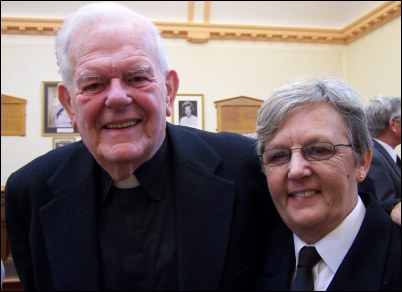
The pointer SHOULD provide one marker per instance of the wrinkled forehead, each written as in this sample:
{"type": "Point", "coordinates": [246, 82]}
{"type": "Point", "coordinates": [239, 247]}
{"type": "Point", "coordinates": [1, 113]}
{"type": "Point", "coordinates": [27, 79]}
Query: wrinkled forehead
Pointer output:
{"type": "Point", "coordinates": [129, 30]}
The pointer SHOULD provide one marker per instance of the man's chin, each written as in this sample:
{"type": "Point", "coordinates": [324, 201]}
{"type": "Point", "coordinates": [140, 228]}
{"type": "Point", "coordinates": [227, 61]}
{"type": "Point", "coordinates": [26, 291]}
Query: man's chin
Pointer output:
{"type": "Point", "coordinates": [120, 153]}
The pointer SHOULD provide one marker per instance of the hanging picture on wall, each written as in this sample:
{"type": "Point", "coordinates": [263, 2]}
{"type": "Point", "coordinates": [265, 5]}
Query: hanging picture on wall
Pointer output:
{"type": "Point", "coordinates": [56, 121]}
{"type": "Point", "coordinates": [59, 142]}
{"type": "Point", "coordinates": [188, 110]}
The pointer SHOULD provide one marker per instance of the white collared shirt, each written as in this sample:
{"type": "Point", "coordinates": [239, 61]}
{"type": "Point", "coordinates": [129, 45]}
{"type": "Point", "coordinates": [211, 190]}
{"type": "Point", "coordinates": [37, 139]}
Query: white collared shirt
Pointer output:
{"type": "Point", "coordinates": [389, 149]}
{"type": "Point", "coordinates": [339, 240]}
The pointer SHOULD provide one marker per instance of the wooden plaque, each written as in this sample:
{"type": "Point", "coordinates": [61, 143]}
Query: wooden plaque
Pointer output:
{"type": "Point", "coordinates": [12, 116]}
{"type": "Point", "coordinates": [238, 114]}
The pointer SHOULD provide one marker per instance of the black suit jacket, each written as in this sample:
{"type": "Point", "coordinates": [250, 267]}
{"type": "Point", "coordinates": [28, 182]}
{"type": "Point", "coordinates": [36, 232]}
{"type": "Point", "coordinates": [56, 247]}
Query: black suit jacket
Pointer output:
{"type": "Point", "coordinates": [384, 177]}
{"type": "Point", "coordinates": [372, 263]}
{"type": "Point", "coordinates": [220, 193]}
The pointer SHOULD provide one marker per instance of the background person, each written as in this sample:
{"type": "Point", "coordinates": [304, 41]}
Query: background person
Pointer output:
{"type": "Point", "coordinates": [132, 207]}
{"type": "Point", "coordinates": [315, 148]}
{"type": "Point", "coordinates": [383, 115]}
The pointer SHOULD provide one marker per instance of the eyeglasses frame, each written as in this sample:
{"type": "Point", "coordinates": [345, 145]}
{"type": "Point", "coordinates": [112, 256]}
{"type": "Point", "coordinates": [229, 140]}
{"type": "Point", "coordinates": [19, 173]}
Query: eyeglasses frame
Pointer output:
{"type": "Point", "coordinates": [303, 152]}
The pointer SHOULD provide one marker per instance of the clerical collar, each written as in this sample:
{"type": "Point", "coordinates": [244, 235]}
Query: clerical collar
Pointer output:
{"type": "Point", "coordinates": [152, 171]}
{"type": "Point", "coordinates": [127, 183]}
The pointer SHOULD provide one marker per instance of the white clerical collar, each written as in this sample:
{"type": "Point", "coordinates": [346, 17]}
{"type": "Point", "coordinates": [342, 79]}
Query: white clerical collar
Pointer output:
{"type": "Point", "coordinates": [127, 183]}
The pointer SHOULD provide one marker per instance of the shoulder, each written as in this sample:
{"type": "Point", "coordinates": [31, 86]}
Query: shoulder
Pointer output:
{"type": "Point", "coordinates": [236, 154]}
{"type": "Point", "coordinates": [376, 214]}
{"type": "Point", "coordinates": [46, 164]}
{"type": "Point", "coordinates": [229, 142]}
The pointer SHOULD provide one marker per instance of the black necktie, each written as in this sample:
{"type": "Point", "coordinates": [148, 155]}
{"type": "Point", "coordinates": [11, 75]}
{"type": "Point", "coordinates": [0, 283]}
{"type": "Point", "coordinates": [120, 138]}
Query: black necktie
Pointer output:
{"type": "Point", "coordinates": [398, 161]}
{"type": "Point", "coordinates": [308, 257]}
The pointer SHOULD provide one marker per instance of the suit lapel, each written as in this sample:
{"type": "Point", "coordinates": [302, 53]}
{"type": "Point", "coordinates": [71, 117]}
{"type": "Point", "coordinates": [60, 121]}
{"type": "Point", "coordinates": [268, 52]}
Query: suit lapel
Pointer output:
{"type": "Point", "coordinates": [204, 207]}
{"type": "Point", "coordinates": [69, 224]}
{"type": "Point", "coordinates": [279, 265]}
{"type": "Point", "coordinates": [390, 162]}
{"type": "Point", "coordinates": [363, 266]}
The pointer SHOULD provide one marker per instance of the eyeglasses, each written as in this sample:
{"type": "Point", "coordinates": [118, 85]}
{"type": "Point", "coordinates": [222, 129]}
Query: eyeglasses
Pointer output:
{"type": "Point", "coordinates": [311, 152]}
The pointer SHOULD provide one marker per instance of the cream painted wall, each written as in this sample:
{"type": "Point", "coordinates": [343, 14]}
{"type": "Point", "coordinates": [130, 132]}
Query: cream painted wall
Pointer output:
{"type": "Point", "coordinates": [374, 63]}
{"type": "Point", "coordinates": [217, 69]}
{"type": "Point", "coordinates": [227, 69]}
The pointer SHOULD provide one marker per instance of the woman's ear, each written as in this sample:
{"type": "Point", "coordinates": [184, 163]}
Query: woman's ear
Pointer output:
{"type": "Point", "coordinates": [364, 165]}
{"type": "Point", "coordinates": [66, 101]}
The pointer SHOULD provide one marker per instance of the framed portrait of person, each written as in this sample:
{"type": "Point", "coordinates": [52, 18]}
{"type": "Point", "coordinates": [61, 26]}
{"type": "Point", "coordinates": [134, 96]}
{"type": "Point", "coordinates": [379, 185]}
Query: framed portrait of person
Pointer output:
{"type": "Point", "coordinates": [188, 110]}
{"type": "Point", "coordinates": [56, 121]}
{"type": "Point", "coordinates": [61, 141]}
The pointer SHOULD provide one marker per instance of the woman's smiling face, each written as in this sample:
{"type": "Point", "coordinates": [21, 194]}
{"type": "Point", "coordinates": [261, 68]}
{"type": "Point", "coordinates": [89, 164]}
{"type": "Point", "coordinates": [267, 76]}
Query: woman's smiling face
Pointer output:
{"type": "Point", "coordinates": [313, 197]}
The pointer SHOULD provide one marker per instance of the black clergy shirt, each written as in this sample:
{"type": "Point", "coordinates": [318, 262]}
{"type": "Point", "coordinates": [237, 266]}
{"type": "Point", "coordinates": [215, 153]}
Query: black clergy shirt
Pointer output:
{"type": "Point", "coordinates": [136, 228]}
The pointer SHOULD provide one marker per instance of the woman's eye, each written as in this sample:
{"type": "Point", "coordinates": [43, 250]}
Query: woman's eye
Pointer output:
{"type": "Point", "coordinates": [279, 156]}
{"type": "Point", "coordinates": [319, 150]}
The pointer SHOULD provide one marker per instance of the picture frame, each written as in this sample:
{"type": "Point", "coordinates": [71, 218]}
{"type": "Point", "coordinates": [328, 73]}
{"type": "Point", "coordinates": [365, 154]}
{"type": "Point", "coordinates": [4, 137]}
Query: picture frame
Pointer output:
{"type": "Point", "coordinates": [59, 142]}
{"type": "Point", "coordinates": [56, 121]}
{"type": "Point", "coordinates": [188, 110]}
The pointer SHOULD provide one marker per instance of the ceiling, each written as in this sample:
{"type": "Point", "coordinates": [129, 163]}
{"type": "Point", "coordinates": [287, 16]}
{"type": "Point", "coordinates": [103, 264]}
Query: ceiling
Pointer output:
{"type": "Point", "coordinates": [311, 14]}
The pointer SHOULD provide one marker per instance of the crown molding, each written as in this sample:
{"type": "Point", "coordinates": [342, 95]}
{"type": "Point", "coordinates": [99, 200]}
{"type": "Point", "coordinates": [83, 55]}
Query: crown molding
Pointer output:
{"type": "Point", "coordinates": [372, 20]}
{"type": "Point", "coordinates": [203, 32]}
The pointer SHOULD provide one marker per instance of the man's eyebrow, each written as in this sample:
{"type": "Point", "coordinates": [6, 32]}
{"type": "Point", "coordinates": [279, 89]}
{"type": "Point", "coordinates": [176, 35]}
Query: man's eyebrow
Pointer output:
{"type": "Point", "coordinates": [141, 68]}
{"type": "Point", "coordinates": [88, 76]}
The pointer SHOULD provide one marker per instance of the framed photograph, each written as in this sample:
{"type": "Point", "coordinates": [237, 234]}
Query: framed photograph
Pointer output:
{"type": "Point", "coordinates": [55, 119]}
{"type": "Point", "coordinates": [59, 142]}
{"type": "Point", "coordinates": [188, 110]}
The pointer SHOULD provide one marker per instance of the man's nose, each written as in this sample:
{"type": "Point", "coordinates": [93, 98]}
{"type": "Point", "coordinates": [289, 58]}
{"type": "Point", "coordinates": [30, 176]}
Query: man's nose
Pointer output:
{"type": "Point", "coordinates": [118, 96]}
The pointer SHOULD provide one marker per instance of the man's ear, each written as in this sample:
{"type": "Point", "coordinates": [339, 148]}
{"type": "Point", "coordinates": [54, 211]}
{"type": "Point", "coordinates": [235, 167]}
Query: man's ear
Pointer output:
{"type": "Point", "coordinates": [393, 125]}
{"type": "Point", "coordinates": [172, 85]}
{"type": "Point", "coordinates": [66, 101]}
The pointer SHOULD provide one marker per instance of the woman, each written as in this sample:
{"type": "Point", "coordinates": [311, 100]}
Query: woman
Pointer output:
{"type": "Point", "coordinates": [188, 119]}
{"type": "Point", "coordinates": [315, 148]}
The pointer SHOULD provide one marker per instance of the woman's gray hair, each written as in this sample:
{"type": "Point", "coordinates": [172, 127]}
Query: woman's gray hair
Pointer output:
{"type": "Point", "coordinates": [379, 110]}
{"type": "Point", "coordinates": [92, 14]}
{"type": "Point", "coordinates": [300, 93]}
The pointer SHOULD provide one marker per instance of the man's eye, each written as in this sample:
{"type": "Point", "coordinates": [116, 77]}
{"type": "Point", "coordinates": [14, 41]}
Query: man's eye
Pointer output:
{"type": "Point", "coordinates": [138, 80]}
{"type": "Point", "coordinates": [93, 88]}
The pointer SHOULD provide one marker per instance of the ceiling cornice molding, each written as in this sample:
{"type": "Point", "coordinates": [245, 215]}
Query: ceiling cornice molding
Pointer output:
{"type": "Point", "coordinates": [203, 32]}
{"type": "Point", "coordinates": [372, 20]}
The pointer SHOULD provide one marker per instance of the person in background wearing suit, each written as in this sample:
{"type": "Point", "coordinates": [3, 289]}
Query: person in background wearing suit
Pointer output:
{"type": "Point", "coordinates": [383, 115]}
{"type": "Point", "coordinates": [132, 207]}
{"type": "Point", "coordinates": [314, 145]}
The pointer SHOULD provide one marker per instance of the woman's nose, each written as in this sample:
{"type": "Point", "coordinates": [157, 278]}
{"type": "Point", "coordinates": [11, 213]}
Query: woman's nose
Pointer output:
{"type": "Point", "coordinates": [298, 166]}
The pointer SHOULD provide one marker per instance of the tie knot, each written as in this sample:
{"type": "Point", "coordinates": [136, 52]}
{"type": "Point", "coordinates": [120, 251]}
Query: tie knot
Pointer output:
{"type": "Point", "coordinates": [308, 257]}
